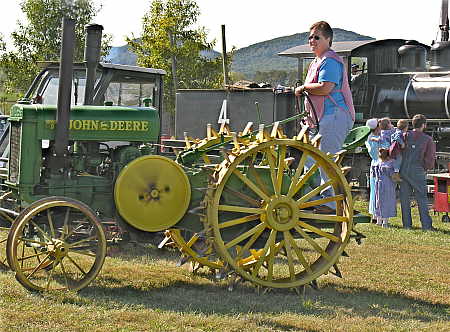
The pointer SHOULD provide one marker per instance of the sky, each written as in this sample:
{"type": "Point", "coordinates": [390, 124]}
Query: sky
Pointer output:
{"type": "Point", "coordinates": [252, 21]}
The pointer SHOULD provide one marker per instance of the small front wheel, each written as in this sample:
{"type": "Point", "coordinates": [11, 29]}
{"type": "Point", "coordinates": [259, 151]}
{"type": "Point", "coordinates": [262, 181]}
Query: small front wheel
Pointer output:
{"type": "Point", "coordinates": [56, 244]}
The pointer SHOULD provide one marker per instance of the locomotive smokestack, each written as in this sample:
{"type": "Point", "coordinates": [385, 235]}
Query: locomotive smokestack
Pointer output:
{"type": "Point", "coordinates": [444, 21]}
{"type": "Point", "coordinates": [64, 91]}
{"type": "Point", "coordinates": [92, 57]}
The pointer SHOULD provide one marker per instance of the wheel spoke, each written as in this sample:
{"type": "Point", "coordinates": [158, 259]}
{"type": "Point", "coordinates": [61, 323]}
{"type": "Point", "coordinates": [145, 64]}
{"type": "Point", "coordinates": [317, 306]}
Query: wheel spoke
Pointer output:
{"type": "Point", "coordinates": [76, 265]}
{"type": "Point", "coordinates": [65, 229]}
{"type": "Point", "coordinates": [245, 235]}
{"type": "Point", "coordinates": [270, 261]}
{"type": "Point", "coordinates": [44, 234]}
{"type": "Point", "coordinates": [321, 201]}
{"type": "Point", "coordinates": [315, 191]}
{"type": "Point", "coordinates": [93, 237]}
{"type": "Point", "coordinates": [73, 230]}
{"type": "Point", "coordinates": [273, 176]}
{"type": "Point", "coordinates": [23, 254]}
{"type": "Point", "coordinates": [50, 223]}
{"type": "Point", "coordinates": [270, 243]}
{"type": "Point", "coordinates": [243, 209]}
{"type": "Point", "coordinates": [287, 245]}
{"type": "Point", "coordinates": [49, 277]}
{"type": "Point", "coordinates": [37, 254]}
{"type": "Point", "coordinates": [239, 221]}
{"type": "Point", "coordinates": [243, 196]}
{"type": "Point", "coordinates": [64, 274]}
{"type": "Point", "coordinates": [37, 257]}
{"type": "Point", "coordinates": [298, 172]}
{"type": "Point", "coordinates": [320, 232]}
{"type": "Point", "coordinates": [313, 243]}
{"type": "Point", "coordinates": [251, 185]}
{"type": "Point", "coordinates": [23, 239]}
{"type": "Point", "coordinates": [298, 252]}
{"type": "Point", "coordinates": [249, 243]}
{"type": "Point", "coordinates": [322, 217]}
{"type": "Point", "coordinates": [252, 171]}
{"type": "Point", "coordinates": [38, 267]}
{"type": "Point", "coordinates": [6, 217]}
{"type": "Point", "coordinates": [281, 164]}
{"type": "Point", "coordinates": [303, 180]}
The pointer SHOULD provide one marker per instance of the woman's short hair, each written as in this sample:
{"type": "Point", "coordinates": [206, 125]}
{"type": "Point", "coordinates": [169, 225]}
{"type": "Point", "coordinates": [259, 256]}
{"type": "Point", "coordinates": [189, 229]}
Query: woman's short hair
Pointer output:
{"type": "Point", "coordinates": [324, 28]}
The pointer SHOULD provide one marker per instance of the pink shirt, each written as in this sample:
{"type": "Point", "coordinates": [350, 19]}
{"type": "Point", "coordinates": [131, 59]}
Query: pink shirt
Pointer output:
{"type": "Point", "coordinates": [318, 101]}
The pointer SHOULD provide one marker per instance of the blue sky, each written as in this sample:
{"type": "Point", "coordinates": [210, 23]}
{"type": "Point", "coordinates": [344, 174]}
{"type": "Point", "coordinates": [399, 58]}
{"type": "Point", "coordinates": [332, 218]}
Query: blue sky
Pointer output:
{"type": "Point", "coordinates": [252, 21]}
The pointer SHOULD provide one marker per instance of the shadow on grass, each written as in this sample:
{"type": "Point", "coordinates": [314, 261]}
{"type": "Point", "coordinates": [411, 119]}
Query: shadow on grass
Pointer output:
{"type": "Point", "coordinates": [182, 296]}
{"type": "Point", "coordinates": [436, 230]}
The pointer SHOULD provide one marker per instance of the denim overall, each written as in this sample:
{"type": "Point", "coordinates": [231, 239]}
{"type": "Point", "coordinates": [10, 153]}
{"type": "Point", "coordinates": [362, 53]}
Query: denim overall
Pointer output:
{"type": "Point", "coordinates": [413, 177]}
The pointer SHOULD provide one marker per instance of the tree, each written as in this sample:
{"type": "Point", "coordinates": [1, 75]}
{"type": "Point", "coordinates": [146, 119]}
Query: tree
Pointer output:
{"type": "Point", "coordinates": [38, 38]}
{"type": "Point", "coordinates": [169, 40]}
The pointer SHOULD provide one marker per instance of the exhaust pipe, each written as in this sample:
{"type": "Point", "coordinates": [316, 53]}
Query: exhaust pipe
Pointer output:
{"type": "Point", "coordinates": [92, 51]}
{"type": "Point", "coordinates": [64, 92]}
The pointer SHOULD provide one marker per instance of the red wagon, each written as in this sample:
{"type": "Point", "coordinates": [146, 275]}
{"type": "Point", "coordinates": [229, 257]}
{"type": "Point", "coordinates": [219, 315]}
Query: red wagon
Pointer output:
{"type": "Point", "coordinates": [442, 194]}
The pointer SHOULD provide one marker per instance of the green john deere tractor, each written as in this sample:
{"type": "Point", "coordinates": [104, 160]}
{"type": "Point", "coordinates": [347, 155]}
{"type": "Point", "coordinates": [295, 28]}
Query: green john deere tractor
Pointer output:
{"type": "Point", "coordinates": [85, 168]}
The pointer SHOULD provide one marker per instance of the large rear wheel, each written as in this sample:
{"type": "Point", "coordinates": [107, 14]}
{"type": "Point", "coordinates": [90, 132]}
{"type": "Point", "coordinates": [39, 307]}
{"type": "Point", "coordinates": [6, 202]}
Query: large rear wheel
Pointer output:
{"type": "Point", "coordinates": [274, 215]}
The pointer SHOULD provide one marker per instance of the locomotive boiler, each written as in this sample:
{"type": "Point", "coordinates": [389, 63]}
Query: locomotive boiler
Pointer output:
{"type": "Point", "coordinates": [396, 78]}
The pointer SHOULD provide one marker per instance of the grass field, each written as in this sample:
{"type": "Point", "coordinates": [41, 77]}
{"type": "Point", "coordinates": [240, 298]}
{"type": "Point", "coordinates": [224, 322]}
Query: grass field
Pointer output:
{"type": "Point", "coordinates": [397, 280]}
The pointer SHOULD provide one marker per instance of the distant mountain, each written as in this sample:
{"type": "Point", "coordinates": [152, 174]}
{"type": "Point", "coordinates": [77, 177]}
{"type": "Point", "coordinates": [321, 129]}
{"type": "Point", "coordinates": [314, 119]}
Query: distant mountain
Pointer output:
{"type": "Point", "coordinates": [261, 56]}
{"type": "Point", "coordinates": [264, 56]}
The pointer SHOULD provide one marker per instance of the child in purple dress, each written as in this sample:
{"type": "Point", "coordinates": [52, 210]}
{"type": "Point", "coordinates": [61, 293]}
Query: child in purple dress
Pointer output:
{"type": "Point", "coordinates": [391, 137]}
{"type": "Point", "coordinates": [385, 201]}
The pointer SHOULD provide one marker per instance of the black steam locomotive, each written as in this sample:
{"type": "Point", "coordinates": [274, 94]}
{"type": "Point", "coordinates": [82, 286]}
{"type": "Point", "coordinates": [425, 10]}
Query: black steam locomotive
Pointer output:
{"type": "Point", "coordinates": [397, 78]}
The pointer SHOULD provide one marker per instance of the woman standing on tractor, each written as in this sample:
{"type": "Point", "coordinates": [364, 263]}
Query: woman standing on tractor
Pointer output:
{"type": "Point", "coordinates": [329, 91]}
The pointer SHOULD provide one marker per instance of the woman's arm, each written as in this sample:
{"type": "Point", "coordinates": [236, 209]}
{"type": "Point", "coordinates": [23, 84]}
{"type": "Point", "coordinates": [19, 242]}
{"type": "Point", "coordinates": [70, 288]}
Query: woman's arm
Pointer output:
{"type": "Point", "coordinates": [320, 89]}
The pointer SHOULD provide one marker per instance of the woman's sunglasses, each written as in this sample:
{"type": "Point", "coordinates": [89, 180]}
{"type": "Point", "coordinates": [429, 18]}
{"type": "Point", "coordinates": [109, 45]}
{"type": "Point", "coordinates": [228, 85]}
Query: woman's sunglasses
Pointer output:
{"type": "Point", "coordinates": [314, 36]}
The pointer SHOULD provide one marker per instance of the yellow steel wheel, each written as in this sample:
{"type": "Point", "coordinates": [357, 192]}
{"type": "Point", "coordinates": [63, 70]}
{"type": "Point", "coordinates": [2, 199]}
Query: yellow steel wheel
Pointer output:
{"type": "Point", "coordinates": [194, 248]}
{"type": "Point", "coordinates": [274, 216]}
{"type": "Point", "coordinates": [3, 237]}
{"type": "Point", "coordinates": [56, 244]}
{"type": "Point", "coordinates": [6, 222]}
{"type": "Point", "coordinates": [152, 193]}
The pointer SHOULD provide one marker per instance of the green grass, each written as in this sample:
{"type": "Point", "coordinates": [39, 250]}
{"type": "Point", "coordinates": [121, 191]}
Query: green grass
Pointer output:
{"type": "Point", "coordinates": [397, 280]}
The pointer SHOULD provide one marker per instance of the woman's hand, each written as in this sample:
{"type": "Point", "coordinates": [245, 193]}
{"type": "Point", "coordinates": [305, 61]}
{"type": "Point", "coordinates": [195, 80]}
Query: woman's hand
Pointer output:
{"type": "Point", "coordinates": [299, 90]}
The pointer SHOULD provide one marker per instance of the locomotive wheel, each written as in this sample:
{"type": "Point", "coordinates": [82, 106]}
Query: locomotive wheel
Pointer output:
{"type": "Point", "coordinates": [56, 243]}
{"type": "Point", "coordinates": [273, 214]}
{"type": "Point", "coordinates": [152, 193]}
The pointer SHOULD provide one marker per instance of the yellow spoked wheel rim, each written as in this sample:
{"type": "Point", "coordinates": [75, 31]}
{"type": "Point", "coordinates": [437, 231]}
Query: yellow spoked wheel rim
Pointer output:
{"type": "Point", "coordinates": [57, 243]}
{"type": "Point", "coordinates": [199, 254]}
{"type": "Point", "coordinates": [152, 193]}
{"type": "Point", "coordinates": [274, 216]}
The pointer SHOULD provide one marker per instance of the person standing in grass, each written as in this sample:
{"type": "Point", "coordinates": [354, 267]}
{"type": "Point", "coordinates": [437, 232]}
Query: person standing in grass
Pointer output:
{"type": "Point", "coordinates": [372, 145]}
{"type": "Point", "coordinates": [418, 156]}
{"type": "Point", "coordinates": [329, 92]}
{"type": "Point", "coordinates": [385, 201]}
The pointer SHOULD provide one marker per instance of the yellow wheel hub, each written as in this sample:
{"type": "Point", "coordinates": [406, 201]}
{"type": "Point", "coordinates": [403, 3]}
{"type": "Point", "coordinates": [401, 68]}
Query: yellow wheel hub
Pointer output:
{"type": "Point", "coordinates": [282, 213]}
{"type": "Point", "coordinates": [152, 193]}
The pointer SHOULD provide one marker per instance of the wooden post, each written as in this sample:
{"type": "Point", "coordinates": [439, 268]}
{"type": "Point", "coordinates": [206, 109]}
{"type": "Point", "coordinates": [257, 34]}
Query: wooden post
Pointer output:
{"type": "Point", "coordinates": [175, 83]}
{"type": "Point", "coordinates": [224, 57]}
